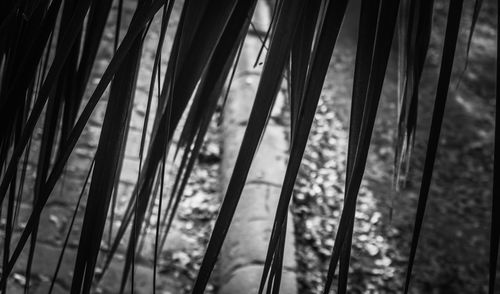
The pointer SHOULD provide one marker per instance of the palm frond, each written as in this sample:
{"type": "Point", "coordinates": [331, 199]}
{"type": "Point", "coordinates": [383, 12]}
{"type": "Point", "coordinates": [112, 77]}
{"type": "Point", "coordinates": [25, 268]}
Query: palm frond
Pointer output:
{"type": "Point", "coordinates": [49, 51]}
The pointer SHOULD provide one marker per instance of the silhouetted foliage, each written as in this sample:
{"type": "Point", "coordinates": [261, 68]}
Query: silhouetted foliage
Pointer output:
{"type": "Point", "coordinates": [48, 50]}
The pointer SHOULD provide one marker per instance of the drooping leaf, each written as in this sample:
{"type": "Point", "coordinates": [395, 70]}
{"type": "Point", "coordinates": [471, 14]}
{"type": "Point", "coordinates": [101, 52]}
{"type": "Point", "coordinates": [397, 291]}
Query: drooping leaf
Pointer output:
{"type": "Point", "coordinates": [69, 36]}
{"type": "Point", "coordinates": [475, 15]}
{"type": "Point", "coordinates": [300, 59]}
{"type": "Point", "coordinates": [96, 22]}
{"type": "Point", "coordinates": [387, 16]}
{"type": "Point", "coordinates": [416, 46]}
{"type": "Point", "coordinates": [364, 62]}
{"type": "Point", "coordinates": [450, 41]}
{"type": "Point", "coordinates": [107, 157]}
{"type": "Point", "coordinates": [135, 27]}
{"type": "Point", "coordinates": [267, 90]}
{"type": "Point", "coordinates": [203, 47]}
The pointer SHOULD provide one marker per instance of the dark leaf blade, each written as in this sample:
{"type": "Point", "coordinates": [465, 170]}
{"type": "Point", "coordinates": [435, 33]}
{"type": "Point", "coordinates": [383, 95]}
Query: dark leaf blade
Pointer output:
{"type": "Point", "coordinates": [195, 53]}
{"type": "Point", "coordinates": [204, 106]}
{"type": "Point", "coordinates": [475, 15]}
{"type": "Point", "coordinates": [134, 29]}
{"type": "Point", "coordinates": [267, 90]}
{"type": "Point", "coordinates": [70, 227]}
{"type": "Point", "coordinates": [43, 166]}
{"type": "Point", "coordinates": [301, 58]}
{"type": "Point", "coordinates": [49, 83]}
{"type": "Point", "coordinates": [202, 49]}
{"type": "Point", "coordinates": [417, 45]}
{"type": "Point", "coordinates": [181, 84]}
{"type": "Point", "coordinates": [450, 41]}
{"type": "Point", "coordinates": [385, 30]}
{"type": "Point", "coordinates": [321, 58]}
{"type": "Point", "coordinates": [364, 55]}
{"type": "Point", "coordinates": [98, 15]}
{"type": "Point", "coordinates": [107, 160]}
{"type": "Point", "coordinates": [167, 10]}
{"type": "Point", "coordinates": [18, 74]}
